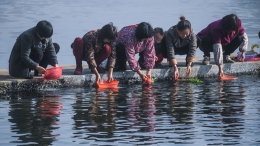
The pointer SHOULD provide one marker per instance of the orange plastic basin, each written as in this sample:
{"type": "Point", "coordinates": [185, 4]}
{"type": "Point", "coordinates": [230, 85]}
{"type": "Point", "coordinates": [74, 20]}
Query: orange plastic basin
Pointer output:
{"type": "Point", "coordinates": [52, 73]}
{"type": "Point", "coordinates": [106, 84]}
{"type": "Point", "coordinates": [227, 78]}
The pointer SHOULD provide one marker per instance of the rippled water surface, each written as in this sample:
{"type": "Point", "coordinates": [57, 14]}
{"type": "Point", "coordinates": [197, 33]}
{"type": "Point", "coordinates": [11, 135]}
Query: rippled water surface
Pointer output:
{"type": "Point", "coordinates": [74, 18]}
{"type": "Point", "coordinates": [212, 113]}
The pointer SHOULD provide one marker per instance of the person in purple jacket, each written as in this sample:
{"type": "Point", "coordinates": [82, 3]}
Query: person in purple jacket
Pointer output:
{"type": "Point", "coordinates": [223, 37]}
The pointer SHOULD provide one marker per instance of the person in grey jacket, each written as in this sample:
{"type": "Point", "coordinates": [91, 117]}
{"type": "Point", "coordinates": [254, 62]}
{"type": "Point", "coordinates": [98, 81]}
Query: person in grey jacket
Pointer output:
{"type": "Point", "coordinates": [33, 50]}
{"type": "Point", "coordinates": [181, 40]}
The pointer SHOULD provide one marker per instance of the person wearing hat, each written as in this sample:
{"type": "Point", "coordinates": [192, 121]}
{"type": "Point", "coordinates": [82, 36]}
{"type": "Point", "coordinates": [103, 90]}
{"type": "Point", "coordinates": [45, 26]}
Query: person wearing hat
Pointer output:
{"type": "Point", "coordinates": [33, 50]}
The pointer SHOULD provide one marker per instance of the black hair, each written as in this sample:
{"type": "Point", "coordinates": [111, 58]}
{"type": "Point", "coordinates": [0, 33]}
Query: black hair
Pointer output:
{"type": "Point", "coordinates": [230, 23]}
{"type": "Point", "coordinates": [143, 31]}
{"type": "Point", "coordinates": [183, 24]}
{"type": "Point", "coordinates": [259, 34]}
{"type": "Point", "coordinates": [44, 29]}
{"type": "Point", "coordinates": [158, 30]}
{"type": "Point", "coordinates": [108, 31]}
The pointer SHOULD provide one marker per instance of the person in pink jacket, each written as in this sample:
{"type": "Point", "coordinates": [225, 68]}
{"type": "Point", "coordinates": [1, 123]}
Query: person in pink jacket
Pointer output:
{"type": "Point", "coordinates": [134, 39]}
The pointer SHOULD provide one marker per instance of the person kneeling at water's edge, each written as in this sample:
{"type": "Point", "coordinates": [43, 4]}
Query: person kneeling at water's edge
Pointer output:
{"type": "Point", "coordinates": [181, 40]}
{"type": "Point", "coordinates": [223, 37]}
{"type": "Point", "coordinates": [160, 49]}
{"type": "Point", "coordinates": [33, 50]}
{"type": "Point", "coordinates": [134, 39]}
{"type": "Point", "coordinates": [95, 47]}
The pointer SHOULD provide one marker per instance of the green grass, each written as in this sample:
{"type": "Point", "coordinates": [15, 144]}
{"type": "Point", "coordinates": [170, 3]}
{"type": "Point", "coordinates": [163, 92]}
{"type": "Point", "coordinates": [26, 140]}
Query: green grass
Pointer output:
{"type": "Point", "coordinates": [195, 80]}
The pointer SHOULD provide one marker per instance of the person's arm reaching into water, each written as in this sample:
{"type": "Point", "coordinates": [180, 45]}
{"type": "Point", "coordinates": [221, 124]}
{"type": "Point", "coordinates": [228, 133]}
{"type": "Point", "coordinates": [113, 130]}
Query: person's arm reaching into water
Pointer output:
{"type": "Point", "coordinates": [171, 55]}
{"type": "Point", "coordinates": [191, 52]}
{"type": "Point", "coordinates": [111, 61]}
{"type": "Point", "coordinates": [149, 56]}
{"type": "Point", "coordinates": [89, 48]}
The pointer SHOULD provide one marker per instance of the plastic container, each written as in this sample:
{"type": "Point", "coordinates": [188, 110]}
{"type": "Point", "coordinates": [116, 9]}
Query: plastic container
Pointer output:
{"type": "Point", "coordinates": [228, 78]}
{"type": "Point", "coordinates": [53, 73]}
{"type": "Point", "coordinates": [107, 85]}
{"type": "Point", "coordinates": [249, 56]}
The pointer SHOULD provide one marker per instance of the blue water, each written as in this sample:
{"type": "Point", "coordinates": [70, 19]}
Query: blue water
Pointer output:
{"type": "Point", "coordinates": [212, 113]}
{"type": "Point", "coordinates": [74, 18]}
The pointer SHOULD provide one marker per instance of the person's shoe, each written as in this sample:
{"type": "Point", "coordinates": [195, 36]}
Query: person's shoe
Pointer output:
{"type": "Point", "coordinates": [78, 70]}
{"type": "Point", "coordinates": [227, 59]}
{"type": "Point", "coordinates": [206, 60]}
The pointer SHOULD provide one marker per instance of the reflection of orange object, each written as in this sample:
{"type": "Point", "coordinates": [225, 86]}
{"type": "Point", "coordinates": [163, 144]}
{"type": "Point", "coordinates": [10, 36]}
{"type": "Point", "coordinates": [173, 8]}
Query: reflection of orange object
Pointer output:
{"type": "Point", "coordinates": [50, 107]}
{"type": "Point", "coordinates": [108, 85]}
{"type": "Point", "coordinates": [114, 90]}
{"type": "Point", "coordinates": [227, 78]}
{"type": "Point", "coordinates": [52, 73]}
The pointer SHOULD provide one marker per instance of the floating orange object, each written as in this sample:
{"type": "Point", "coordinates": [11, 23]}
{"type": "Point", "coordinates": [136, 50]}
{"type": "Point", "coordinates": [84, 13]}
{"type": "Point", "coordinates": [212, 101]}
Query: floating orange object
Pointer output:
{"type": "Point", "coordinates": [147, 80]}
{"type": "Point", "coordinates": [52, 73]}
{"type": "Point", "coordinates": [106, 84]}
{"type": "Point", "coordinates": [227, 78]}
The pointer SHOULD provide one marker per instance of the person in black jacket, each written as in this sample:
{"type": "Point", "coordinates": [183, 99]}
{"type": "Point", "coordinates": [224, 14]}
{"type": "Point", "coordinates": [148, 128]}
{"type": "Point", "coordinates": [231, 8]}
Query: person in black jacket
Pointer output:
{"type": "Point", "coordinates": [33, 50]}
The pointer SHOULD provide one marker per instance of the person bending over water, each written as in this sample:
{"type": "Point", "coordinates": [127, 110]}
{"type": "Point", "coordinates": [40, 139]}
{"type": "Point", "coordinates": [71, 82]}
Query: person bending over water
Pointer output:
{"type": "Point", "coordinates": [160, 48]}
{"type": "Point", "coordinates": [134, 39]}
{"type": "Point", "coordinates": [95, 47]}
{"type": "Point", "coordinates": [33, 50]}
{"type": "Point", "coordinates": [223, 37]}
{"type": "Point", "coordinates": [181, 40]}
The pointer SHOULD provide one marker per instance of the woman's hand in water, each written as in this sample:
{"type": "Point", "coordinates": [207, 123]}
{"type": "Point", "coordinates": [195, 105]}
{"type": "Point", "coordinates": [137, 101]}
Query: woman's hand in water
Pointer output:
{"type": "Point", "coordinates": [98, 77]}
{"type": "Point", "coordinates": [149, 73]}
{"type": "Point", "coordinates": [176, 72]}
{"type": "Point", "coordinates": [110, 74]}
{"type": "Point", "coordinates": [188, 71]}
{"type": "Point", "coordinates": [220, 73]}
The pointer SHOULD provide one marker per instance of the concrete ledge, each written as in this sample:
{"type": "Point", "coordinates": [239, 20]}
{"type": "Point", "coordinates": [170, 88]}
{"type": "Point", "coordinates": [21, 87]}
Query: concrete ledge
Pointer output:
{"type": "Point", "coordinates": [127, 77]}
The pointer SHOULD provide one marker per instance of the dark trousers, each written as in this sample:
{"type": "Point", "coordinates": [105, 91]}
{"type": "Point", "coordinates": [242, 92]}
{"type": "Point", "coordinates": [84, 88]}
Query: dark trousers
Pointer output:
{"type": "Point", "coordinates": [206, 45]}
{"type": "Point", "coordinates": [20, 70]}
{"type": "Point", "coordinates": [121, 57]}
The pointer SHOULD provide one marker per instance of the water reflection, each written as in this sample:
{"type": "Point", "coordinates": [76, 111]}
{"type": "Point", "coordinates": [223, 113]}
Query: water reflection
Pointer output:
{"type": "Point", "coordinates": [222, 113]}
{"type": "Point", "coordinates": [96, 115]}
{"type": "Point", "coordinates": [212, 113]}
{"type": "Point", "coordinates": [34, 121]}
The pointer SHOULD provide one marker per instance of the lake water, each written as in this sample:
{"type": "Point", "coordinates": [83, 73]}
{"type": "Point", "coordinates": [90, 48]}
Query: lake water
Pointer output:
{"type": "Point", "coordinates": [212, 113]}
{"type": "Point", "coordinates": [74, 18]}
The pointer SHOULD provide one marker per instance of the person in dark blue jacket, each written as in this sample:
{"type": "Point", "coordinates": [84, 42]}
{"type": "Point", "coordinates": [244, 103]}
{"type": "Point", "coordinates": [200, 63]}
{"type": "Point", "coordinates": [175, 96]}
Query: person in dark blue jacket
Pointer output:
{"type": "Point", "coordinates": [33, 50]}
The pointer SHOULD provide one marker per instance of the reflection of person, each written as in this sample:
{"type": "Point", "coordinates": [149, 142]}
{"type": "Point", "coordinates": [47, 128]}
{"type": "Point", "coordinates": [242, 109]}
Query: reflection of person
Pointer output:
{"type": "Point", "coordinates": [134, 39]}
{"type": "Point", "coordinates": [182, 107]}
{"type": "Point", "coordinates": [33, 50]}
{"type": "Point", "coordinates": [29, 123]}
{"type": "Point", "coordinates": [96, 115]}
{"type": "Point", "coordinates": [160, 48]}
{"type": "Point", "coordinates": [95, 47]}
{"type": "Point", "coordinates": [181, 40]}
{"type": "Point", "coordinates": [223, 37]}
